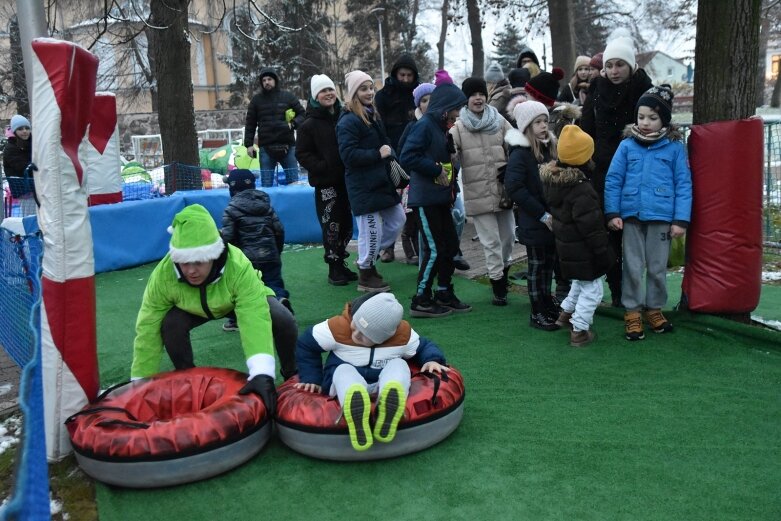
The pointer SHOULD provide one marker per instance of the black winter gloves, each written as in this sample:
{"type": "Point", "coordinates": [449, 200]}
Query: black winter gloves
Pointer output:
{"type": "Point", "coordinates": [263, 386]}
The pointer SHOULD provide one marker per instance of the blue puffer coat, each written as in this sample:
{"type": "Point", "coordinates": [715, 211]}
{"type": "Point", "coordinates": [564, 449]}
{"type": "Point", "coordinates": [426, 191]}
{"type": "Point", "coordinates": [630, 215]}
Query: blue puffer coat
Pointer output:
{"type": "Point", "coordinates": [425, 149]}
{"type": "Point", "coordinates": [369, 187]}
{"type": "Point", "coordinates": [650, 183]}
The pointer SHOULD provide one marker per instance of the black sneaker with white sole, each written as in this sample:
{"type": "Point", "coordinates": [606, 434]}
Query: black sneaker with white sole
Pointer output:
{"type": "Point", "coordinates": [447, 299]}
{"type": "Point", "coordinates": [424, 307]}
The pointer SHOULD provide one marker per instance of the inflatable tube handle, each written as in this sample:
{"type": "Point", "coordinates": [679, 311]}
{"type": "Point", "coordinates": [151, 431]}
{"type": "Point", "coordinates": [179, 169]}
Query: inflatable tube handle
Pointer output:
{"type": "Point", "coordinates": [105, 393]}
{"type": "Point", "coordinates": [99, 409]}
{"type": "Point", "coordinates": [132, 425]}
{"type": "Point", "coordinates": [437, 380]}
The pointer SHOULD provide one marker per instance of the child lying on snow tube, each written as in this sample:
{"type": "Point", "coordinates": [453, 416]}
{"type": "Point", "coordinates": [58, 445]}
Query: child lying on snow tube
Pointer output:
{"type": "Point", "coordinates": [366, 348]}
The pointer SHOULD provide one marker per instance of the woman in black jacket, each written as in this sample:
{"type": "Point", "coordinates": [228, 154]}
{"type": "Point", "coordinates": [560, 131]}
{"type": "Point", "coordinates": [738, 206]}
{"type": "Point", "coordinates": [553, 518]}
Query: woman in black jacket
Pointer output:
{"type": "Point", "coordinates": [609, 107]}
{"type": "Point", "coordinates": [17, 155]}
{"type": "Point", "coordinates": [318, 152]}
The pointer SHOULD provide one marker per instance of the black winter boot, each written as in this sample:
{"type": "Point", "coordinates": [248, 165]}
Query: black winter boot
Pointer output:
{"type": "Point", "coordinates": [348, 273]}
{"type": "Point", "coordinates": [499, 287]}
{"type": "Point", "coordinates": [336, 275]}
{"type": "Point", "coordinates": [541, 320]}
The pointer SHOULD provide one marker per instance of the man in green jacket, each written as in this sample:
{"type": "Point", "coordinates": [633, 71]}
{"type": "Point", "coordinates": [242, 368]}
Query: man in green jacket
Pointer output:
{"type": "Point", "coordinates": [202, 279]}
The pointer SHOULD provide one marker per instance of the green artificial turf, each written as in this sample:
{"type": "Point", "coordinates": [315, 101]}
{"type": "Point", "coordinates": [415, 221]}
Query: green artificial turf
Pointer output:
{"type": "Point", "coordinates": [679, 426]}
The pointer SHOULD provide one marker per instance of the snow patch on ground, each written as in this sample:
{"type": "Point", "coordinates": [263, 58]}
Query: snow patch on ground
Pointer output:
{"type": "Point", "coordinates": [9, 432]}
{"type": "Point", "coordinates": [774, 324]}
{"type": "Point", "coordinates": [768, 276]}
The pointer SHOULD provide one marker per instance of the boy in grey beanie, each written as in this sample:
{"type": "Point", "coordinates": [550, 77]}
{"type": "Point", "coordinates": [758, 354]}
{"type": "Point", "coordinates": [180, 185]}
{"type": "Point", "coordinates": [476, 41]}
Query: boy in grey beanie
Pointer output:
{"type": "Point", "coordinates": [367, 346]}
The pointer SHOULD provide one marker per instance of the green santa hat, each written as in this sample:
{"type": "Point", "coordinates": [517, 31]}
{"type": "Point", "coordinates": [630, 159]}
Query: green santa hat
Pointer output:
{"type": "Point", "coordinates": [194, 236]}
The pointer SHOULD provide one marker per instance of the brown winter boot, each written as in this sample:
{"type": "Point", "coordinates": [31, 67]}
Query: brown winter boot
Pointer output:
{"type": "Point", "coordinates": [633, 326]}
{"type": "Point", "coordinates": [657, 321]}
{"type": "Point", "coordinates": [563, 320]}
{"type": "Point", "coordinates": [581, 338]}
{"type": "Point", "coordinates": [369, 280]}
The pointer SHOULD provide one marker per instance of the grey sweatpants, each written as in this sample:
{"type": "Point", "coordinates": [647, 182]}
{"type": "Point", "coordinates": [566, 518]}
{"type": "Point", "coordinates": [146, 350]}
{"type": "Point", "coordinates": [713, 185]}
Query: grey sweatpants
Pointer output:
{"type": "Point", "coordinates": [646, 249]}
{"type": "Point", "coordinates": [346, 375]}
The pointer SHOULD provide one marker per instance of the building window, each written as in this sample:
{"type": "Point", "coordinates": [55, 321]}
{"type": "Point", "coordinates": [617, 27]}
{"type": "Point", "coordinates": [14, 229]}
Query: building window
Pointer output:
{"type": "Point", "coordinates": [775, 65]}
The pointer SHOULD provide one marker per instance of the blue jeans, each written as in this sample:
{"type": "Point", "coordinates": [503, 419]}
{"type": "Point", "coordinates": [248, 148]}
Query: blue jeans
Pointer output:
{"type": "Point", "coordinates": [289, 163]}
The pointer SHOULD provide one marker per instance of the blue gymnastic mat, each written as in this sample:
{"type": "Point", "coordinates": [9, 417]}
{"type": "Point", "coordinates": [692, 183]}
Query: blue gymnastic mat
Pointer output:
{"type": "Point", "coordinates": [132, 233]}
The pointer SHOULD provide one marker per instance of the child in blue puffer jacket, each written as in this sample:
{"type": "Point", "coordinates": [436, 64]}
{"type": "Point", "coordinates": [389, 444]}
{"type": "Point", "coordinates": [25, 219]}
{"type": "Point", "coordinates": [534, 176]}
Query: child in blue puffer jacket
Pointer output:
{"type": "Point", "coordinates": [648, 195]}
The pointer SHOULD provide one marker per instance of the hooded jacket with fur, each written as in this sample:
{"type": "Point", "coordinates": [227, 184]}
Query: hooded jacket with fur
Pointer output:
{"type": "Point", "coordinates": [523, 185]}
{"type": "Point", "coordinates": [578, 223]}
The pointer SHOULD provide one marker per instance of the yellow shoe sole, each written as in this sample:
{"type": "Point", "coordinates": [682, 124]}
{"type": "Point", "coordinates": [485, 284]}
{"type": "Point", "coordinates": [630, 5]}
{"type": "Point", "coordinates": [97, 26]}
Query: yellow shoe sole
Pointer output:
{"type": "Point", "coordinates": [390, 409]}
{"type": "Point", "coordinates": [356, 409]}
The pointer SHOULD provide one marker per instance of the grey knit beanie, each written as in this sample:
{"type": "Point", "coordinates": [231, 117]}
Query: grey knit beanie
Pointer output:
{"type": "Point", "coordinates": [377, 317]}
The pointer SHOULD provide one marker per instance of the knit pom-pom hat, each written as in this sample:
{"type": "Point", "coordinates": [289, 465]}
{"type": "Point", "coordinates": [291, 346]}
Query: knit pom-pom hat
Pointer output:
{"type": "Point", "coordinates": [194, 236]}
{"type": "Point", "coordinates": [620, 46]}
{"type": "Point", "coordinates": [441, 77]}
{"type": "Point", "coordinates": [659, 98]}
{"type": "Point", "coordinates": [545, 86]}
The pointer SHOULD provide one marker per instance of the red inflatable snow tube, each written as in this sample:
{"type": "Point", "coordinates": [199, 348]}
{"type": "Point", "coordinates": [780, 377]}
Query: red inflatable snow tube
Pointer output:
{"type": "Point", "coordinates": [172, 416]}
{"type": "Point", "coordinates": [313, 424]}
{"type": "Point", "coordinates": [723, 271]}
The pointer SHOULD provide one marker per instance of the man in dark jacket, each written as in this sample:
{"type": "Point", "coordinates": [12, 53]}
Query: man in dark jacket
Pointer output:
{"type": "Point", "coordinates": [274, 113]}
{"type": "Point", "coordinates": [396, 105]}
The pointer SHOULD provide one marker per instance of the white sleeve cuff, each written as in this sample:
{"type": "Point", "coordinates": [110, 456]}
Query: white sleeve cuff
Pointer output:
{"type": "Point", "coordinates": [261, 364]}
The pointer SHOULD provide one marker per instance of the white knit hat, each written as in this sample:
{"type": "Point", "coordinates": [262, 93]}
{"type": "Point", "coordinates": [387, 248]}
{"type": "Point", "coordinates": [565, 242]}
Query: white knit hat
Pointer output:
{"type": "Point", "coordinates": [194, 236]}
{"type": "Point", "coordinates": [353, 80]}
{"type": "Point", "coordinates": [19, 121]}
{"type": "Point", "coordinates": [320, 82]}
{"type": "Point", "coordinates": [622, 48]}
{"type": "Point", "coordinates": [525, 113]}
{"type": "Point", "coordinates": [377, 317]}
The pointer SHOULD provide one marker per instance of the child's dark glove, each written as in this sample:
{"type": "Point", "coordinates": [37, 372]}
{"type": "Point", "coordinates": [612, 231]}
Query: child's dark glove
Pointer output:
{"type": "Point", "coordinates": [263, 386]}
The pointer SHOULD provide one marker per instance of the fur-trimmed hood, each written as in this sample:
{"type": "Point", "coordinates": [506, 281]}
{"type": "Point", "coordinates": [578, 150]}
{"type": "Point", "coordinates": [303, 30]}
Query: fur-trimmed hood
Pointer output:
{"type": "Point", "coordinates": [674, 132]}
{"type": "Point", "coordinates": [554, 174]}
{"type": "Point", "coordinates": [520, 97]}
{"type": "Point", "coordinates": [516, 138]}
{"type": "Point", "coordinates": [568, 111]}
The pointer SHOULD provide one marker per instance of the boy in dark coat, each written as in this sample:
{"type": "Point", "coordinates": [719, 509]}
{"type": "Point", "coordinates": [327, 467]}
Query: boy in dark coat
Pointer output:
{"type": "Point", "coordinates": [252, 225]}
{"type": "Point", "coordinates": [432, 190]}
{"type": "Point", "coordinates": [579, 227]}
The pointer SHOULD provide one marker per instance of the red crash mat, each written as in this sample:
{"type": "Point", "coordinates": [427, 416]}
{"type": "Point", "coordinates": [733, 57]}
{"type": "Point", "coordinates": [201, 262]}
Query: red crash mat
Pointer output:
{"type": "Point", "coordinates": [430, 396]}
{"type": "Point", "coordinates": [168, 415]}
{"type": "Point", "coordinates": [723, 271]}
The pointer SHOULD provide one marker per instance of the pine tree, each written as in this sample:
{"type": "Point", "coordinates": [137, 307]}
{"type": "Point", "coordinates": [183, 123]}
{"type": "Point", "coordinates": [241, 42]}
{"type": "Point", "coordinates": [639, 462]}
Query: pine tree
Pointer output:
{"type": "Point", "coordinates": [508, 44]}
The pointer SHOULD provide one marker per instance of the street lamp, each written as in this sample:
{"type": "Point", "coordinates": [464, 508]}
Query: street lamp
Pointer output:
{"type": "Point", "coordinates": [377, 11]}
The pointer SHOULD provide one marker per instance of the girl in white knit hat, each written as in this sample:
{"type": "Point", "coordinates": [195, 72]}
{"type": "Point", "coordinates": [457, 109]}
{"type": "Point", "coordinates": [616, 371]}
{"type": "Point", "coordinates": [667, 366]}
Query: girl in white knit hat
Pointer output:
{"type": "Point", "coordinates": [366, 152]}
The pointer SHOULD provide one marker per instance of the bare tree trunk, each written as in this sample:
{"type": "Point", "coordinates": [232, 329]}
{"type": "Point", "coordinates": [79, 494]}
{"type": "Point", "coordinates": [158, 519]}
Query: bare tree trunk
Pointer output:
{"type": "Point", "coordinates": [562, 33]}
{"type": "Point", "coordinates": [170, 49]}
{"type": "Point", "coordinates": [19, 82]}
{"type": "Point", "coordinates": [442, 35]}
{"type": "Point", "coordinates": [764, 29]}
{"type": "Point", "coordinates": [476, 32]}
{"type": "Point", "coordinates": [726, 28]}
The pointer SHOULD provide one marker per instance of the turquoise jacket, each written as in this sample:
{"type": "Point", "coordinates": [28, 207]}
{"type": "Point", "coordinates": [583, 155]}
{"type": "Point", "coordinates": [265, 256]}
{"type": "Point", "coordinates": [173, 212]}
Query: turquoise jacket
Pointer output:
{"type": "Point", "coordinates": [237, 288]}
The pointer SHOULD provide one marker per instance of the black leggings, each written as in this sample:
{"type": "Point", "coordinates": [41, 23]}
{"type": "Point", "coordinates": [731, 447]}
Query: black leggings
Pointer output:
{"type": "Point", "coordinates": [177, 324]}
